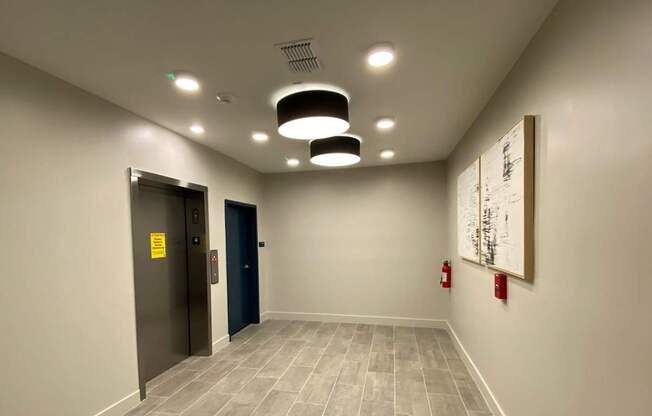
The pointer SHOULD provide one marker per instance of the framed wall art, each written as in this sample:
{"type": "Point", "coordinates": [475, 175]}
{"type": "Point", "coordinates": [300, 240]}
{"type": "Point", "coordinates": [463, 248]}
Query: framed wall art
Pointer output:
{"type": "Point", "coordinates": [468, 213]}
{"type": "Point", "coordinates": [507, 202]}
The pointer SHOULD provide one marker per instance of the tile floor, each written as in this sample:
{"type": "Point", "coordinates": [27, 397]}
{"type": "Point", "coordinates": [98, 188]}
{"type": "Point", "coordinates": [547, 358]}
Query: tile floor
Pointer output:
{"type": "Point", "coordinates": [299, 368]}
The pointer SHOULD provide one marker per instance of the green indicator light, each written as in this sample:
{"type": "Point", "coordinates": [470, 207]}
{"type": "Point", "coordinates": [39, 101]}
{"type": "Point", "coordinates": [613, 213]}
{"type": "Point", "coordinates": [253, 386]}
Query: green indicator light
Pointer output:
{"type": "Point", "coordinates": [170, 76]}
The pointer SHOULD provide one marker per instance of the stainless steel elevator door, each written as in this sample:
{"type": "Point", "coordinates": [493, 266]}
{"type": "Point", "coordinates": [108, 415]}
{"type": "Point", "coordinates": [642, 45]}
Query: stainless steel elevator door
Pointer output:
{"type": "Point", "coordinates": [162, 284]}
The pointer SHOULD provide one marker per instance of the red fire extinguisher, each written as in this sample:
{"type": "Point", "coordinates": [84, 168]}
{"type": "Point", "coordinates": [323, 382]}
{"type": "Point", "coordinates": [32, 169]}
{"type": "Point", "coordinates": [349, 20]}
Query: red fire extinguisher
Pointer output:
{"type": "Point", "coordinates": [445, 281]}
{"type": "Point", "coordinates": [500, 286]}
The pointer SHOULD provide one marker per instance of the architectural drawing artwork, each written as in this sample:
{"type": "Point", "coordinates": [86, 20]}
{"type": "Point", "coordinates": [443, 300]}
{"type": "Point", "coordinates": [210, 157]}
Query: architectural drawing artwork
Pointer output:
{"type": "Point", "coordinates": [468, 212]}
{"type": "Point", "coordinates": [502, 203]}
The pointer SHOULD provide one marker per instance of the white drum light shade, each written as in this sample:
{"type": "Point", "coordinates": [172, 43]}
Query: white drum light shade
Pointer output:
{"type": "Point", "coordinates": [335, 151]}
{"type": "Point", "coordinates": [313, 114]}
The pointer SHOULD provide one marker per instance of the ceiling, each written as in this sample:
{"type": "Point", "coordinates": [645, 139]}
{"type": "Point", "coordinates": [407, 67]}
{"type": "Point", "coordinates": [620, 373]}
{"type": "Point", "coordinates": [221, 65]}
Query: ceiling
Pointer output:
{"type": "Point", "coordinates": [450, 57]}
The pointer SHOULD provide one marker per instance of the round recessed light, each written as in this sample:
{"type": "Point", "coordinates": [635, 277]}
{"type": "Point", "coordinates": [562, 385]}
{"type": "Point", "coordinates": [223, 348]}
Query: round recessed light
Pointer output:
{"type": "Point", "coordinates": [197, 129]}
{"type": "Point", "coordinates": [380, 55]}
{"type": "Point", "coordinates": [259, 136]}
{"type": "Point", "coordinates": [385, 123]}
{"type": "Point", "coordinates": [185, 81]}
{"type": "Point", "coordinates": [387, 154]}
{"type": "Point", "coordinates": [293, 162]}
{"type": "Point", "coordinates": [313, 114]}
{"type": "Point", "coordinates": [335, 151]}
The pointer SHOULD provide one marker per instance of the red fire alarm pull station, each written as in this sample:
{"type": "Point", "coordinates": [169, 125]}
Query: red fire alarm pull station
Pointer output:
{"type": "Point", "coordinates": [445, 280]}
{"type": "Point", "coordinates": [500, 285]}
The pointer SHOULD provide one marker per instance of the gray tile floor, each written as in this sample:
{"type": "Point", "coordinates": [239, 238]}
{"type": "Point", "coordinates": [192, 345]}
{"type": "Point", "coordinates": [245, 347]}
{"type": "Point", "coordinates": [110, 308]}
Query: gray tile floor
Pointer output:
{"type": "Point", "coordinates": [299, 368]}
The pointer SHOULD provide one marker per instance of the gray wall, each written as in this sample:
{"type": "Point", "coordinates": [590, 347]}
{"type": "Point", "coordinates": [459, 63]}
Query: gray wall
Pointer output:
{"type": "Point", "coordinates": [67, 326]}
{"type": "Point", "coordinates": [366, 241]}
{"type": "Point", "coordinates": [576, 341]}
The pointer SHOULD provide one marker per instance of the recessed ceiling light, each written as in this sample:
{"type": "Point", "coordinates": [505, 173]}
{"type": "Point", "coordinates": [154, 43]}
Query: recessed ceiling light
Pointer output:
{"type": "Point", "coordinates": [385, 123]}
{"type": "Point", "coordinates": [184, 81]}
{"type": "Point", "coordinates": [380, 55]}
{"type": "Point", "coordinates": [335, 151]}
{"type": "Point", "coordinates": [259, 136]}
{"type": "Point", "coordinates": [197, 129]}
{"type": "Point", "coordinates": [387, 154]}
{"type": "Point", "coordinates": [312, 114]}
{"type": "Point", "coordinates": [293, 162]}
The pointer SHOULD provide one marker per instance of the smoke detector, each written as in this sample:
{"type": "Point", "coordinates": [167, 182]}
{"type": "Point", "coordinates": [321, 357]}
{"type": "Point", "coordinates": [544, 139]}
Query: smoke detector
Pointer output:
{"type": "Point", "coordinates": [300, 55]}
{"type": "Point", "coordinates": [224, 97]}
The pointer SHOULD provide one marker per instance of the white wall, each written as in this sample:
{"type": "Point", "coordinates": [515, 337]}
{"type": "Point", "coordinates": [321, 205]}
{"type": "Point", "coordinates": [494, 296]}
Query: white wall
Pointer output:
{"type": "Point", "coordinates": [67, 325]}
{"type": "Point", "coordinates": [366, 241]}
{"type": "Point", "coordinates": [578, 340]}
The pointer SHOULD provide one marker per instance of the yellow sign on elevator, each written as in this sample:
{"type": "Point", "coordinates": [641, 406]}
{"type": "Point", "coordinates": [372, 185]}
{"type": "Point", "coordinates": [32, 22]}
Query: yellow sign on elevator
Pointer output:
{"type": "Point", "coordinates": [157, 245]}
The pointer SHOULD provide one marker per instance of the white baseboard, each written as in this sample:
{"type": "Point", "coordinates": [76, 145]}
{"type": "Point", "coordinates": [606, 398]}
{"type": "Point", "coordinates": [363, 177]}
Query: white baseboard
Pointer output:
{"type": "Point", "coordinates": [220, 343]}
{"type": "Point", "coordinates": [356, 319]}
{"type": "Point", "coordinates": [130, 401]}
{"type": "Point", "coordinates": [264, 316]}
{"type": "Point", "coordinates": [122, 406]}
{"type": "Point", "coordinates": [489, 396]}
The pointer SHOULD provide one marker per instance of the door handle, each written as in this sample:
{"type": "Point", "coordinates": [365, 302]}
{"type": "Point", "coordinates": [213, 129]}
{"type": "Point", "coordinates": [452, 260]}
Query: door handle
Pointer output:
{"type": "Point", "coordinates": [246, 266]}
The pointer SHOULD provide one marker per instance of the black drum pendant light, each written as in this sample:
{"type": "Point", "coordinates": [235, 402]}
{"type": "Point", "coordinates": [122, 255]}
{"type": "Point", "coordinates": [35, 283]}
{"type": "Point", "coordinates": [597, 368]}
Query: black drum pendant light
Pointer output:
{"type": "Point", "coordinates": [335, 151]}
{"type": "Point", "coordinates": [312, 114]}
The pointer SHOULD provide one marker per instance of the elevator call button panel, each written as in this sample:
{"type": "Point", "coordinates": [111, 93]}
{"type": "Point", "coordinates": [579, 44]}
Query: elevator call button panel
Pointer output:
{"type": "Point", "coordinates": [215, 274]}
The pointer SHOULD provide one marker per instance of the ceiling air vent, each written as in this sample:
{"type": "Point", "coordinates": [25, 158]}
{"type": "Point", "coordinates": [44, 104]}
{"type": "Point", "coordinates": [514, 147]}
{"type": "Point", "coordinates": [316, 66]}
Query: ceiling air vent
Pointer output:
{"type": "Point", "coordinates": [300, 55]}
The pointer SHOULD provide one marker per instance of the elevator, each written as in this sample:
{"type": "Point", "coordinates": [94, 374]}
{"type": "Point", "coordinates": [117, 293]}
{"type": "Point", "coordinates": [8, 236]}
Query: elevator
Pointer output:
{"type": "Point", "coordinates": [172, 289]}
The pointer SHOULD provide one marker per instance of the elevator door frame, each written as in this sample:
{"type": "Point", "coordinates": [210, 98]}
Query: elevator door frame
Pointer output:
{"type": "Point", "coordinates": [200, 333]}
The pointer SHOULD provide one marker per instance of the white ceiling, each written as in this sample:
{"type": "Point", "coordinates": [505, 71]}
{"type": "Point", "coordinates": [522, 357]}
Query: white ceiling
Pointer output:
{"type": "Point", "coordinates": [451, 56]}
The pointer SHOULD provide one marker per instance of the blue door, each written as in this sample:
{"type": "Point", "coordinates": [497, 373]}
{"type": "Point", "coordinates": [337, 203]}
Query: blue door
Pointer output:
{"type": "Point", "coordinates": [241, 265]}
